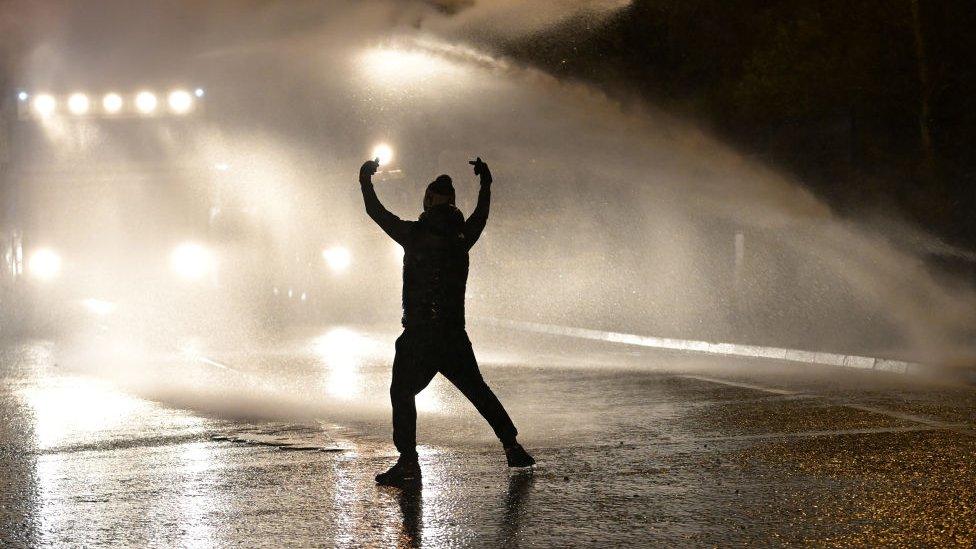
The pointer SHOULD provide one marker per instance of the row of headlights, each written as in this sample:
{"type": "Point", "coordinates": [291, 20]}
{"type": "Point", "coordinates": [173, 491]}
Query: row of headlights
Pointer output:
{"type": "Point", "coordinates": [191, 261]}
{"type": "Point", "coordinates": [144, 103]}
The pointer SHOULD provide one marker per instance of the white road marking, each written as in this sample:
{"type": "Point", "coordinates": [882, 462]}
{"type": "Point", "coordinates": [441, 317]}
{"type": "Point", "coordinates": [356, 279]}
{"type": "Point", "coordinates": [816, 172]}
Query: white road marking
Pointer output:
{"type": "Point", "coordinates": [249, 377]}
{"type": "Point", "coordinates": [961, 428]}
{"type": "Point", "coordinates": [212, 362]}
{"type": "Point", "coordinates": [741, 385]}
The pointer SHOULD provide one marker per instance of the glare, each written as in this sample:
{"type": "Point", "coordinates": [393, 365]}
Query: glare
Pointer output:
{"type": "Point", "coordinates": [401, 69]}
{"type": "Point", "coordinates": [78, 103]}
{"type": "Point", "coordinates": [112, 103]}
{"type": "Point", "coordinates": [343, 351]}
{"type": "Point", "coordinates": [180, 101]}
{"type": "Point", "coordinates": [73, 409]}
{"type": "Point", "coordinates": [99, 307]}
{"type": "Point", "coordinates": [398, 252]}
{"type": "Point", "coordinates": [198, 92]}
{"type": "Point", "coordinates": [45, 264]}
{"type": "Point", "coordinates": [384, 153]}
{"type": "Point", "coordinates": [400, 63]}
{"type": "Point", "coordinates": [22, 96]}
{"type": "Point", "coordinates": [146, 102]}
{"type": "Point", "coordinates": [338, 258]}
{"type": "Point", "coordinates": [198, 503]}
{"type": "Point", "coordinates": [221, 167]}
{"type": "Point", "coordinates": [196, 457]}
{"type": "Point", "coordinates": [191, 261]}
{"type": "Point", "coordinates": [44, 105]}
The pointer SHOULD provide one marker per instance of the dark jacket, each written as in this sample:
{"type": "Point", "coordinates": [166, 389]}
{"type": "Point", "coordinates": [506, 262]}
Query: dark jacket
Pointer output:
{"type": "Point", "coordinates": [435, 259]}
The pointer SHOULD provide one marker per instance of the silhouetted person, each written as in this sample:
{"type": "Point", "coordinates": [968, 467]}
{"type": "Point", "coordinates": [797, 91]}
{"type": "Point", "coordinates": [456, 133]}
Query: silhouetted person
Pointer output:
{"type": "Point", "coordinates": [435, 272]}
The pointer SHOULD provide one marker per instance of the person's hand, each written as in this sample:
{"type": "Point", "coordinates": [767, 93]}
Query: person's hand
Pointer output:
{"type": "Point", "coordinates": [368, 169]}
{"type": "Point", "coordinates": [481, 169]}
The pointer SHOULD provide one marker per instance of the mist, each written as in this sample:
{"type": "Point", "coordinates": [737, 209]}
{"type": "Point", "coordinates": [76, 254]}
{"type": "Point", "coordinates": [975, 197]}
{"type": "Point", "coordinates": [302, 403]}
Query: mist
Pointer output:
{"type": "Point", "coordinates": [606, 215]}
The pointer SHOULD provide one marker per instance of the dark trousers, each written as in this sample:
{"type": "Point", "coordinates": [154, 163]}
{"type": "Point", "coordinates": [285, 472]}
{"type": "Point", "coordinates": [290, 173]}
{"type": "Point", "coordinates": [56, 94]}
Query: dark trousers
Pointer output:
{"type": "Point", "coordinates": [420, 354]}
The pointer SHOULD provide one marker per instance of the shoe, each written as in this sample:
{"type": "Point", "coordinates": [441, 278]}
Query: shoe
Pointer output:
{"type": "Point", "coordinates": [404, 471]}
{"type": "Point", "coordinates": [517, 456]}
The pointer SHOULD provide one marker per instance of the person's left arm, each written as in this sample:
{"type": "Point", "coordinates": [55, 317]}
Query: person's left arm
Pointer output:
{"type": "Point", "coordinates": [475, 224]}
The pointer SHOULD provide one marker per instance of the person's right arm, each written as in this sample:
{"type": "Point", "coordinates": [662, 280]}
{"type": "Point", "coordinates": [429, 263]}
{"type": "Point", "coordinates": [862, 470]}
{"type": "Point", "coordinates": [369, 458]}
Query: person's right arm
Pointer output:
{"type": "Point", "coordinates": [392, 225]}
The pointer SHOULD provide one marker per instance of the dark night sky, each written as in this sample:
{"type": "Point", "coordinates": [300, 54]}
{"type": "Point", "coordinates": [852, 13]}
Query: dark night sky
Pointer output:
{"type": "Point", "coordinates": [829, 91]}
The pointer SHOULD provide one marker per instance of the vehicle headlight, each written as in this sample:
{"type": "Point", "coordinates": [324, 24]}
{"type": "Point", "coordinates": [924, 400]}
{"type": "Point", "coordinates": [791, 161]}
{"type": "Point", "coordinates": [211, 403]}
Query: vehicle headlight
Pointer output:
{"type": "Point", "coordinates": [112, 103]}
{"type": "Point", "coordinates": [44, 264]}
{"type": "Point", "coordinates": [146, 102]}
{"type": "Point", "coordinates": [78, 104]}
{"type": "Point", "coordinates": [180, 101]}
{"type": "Point", "coordinates": [338, 258]}
{"type": "Point", "coordinates": [192, 261]}
{"type": "Point", "coordinates": [44, 105]}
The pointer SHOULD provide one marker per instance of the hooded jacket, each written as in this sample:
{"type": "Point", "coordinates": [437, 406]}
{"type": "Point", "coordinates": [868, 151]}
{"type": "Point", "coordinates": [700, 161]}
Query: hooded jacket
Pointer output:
{"type": "Point", "coordinates": [435, 268]}
{"type": "Point", "coordinates": [435, 259]}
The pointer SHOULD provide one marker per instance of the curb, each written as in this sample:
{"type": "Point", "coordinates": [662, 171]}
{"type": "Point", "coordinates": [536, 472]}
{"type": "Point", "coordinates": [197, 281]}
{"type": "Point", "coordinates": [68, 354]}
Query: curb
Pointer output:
{"type": "Point", "coordinates": [713, 348]}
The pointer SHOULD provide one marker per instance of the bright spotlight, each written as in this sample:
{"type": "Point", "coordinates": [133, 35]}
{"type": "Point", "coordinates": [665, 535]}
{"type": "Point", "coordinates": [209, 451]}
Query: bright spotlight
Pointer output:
{"type": "Point", "coordinates": [338, 258]}
{"type": "Point", "coordinates": [112, 103]}
{"type": "Point", "coordinates": [22, 96]}
{"type": "Point", "coordinates": [406, 69]}
{"type": "Point", "coordinates": [400, 63]}
{"type": "Point", "coordinates": [191, 261]}
{"type": "Point", "coordinates": [384, 152]}
{"type": "Point", "coordinates": [44, 105]}
{"type": "Point", "coordinates": [78, 104]}
{"type": "Point", "coordinates": [180, 101]}
{"type": "Point", "coordinates": [45, 264]}
{"type": "Point", "coordinates": [146, 102]}
{"type": "Point", "coordinates": [198, 92]}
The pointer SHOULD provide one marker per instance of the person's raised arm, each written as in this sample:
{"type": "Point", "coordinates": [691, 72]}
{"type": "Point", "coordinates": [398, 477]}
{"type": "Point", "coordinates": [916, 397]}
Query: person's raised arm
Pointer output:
{"type": "Point", "coordinates": [392, 225]}
{"type": "Point", "coordinates": [479, 217]}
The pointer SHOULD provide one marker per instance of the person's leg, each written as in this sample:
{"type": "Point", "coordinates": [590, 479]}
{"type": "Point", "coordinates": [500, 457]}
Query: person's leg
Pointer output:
{"type": "Point", "coordinates": [460, 367]}
{"type": "Point", "coordinates": [411, 373]}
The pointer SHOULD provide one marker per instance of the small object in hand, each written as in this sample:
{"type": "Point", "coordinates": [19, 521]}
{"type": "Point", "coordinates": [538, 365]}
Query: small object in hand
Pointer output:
{"type": "Point", "coordinates": [478, 165]}
{"type": "Point", "coordinates": [369, 168]}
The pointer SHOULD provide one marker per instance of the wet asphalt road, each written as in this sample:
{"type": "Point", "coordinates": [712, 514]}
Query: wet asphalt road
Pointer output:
{"type": "Point", "coordinates": [275, 443]}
